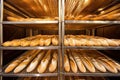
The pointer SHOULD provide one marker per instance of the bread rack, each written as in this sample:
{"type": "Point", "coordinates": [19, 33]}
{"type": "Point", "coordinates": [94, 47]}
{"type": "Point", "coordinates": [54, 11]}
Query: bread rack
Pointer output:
{"type": "Point", "coordinates": [61, 25]}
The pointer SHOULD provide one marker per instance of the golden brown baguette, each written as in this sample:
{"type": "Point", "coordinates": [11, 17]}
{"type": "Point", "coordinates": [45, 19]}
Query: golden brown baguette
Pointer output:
{"type": "Point", "coordinates": [17, 61]}
{"type": "Point", "coordinates": [66, 41]}
{"type": "Point", "coordinates": [53, 64]}
{"type": "Point", "coordinates": [73, 64]}
{"type": "Point", "coordinates": [25, 43]}
{"type": "Point", "coordinates": [41, 42]}
{"type": "Point", "coordinates": [13, 18]}
{"type": "Point", "coordinates": [44, 62]}
{"type": "Point", "coordinates": [55, 40]}
{"type": "Point", "coordinates": [88, 64]}
{"type": "Point", "coordinates": [35, 42]}
{"type": "Point", "coordinates": [35, 62]}
{"type": "Point", "coordinates": [112, 42]}
{"type": "Point", "coordinates": [66, 63]}
{"type": "Point", "coordinates": [47, 41]}
{"type": "Point", "coordinates": [108, 66]}
{"type": "Point", "coordinates": [98, 66]}
{"type": "Point", "coordinates": [25, 62]}
{"type": "Point", "coordinates": [79, 62]}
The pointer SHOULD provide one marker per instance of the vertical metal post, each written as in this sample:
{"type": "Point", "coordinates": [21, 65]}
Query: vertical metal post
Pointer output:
{"type": "Point", "coordinates": [93, 32]}
{"type": "Point", "coordinates": [87, 32]}
{"type": "Point", "coordinates": [1, 36]}
{"type": "Point", "coordinates": [35, 32]}
{"type": "Point", "coordinates": [59, 35]}
{"type": "Point", "coordinates": [63, 33]}
{"type": "Point", "coordinates": [29, 32]}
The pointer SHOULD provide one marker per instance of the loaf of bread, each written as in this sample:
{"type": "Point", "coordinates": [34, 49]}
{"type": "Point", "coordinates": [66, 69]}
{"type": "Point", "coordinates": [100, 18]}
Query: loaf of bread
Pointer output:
{"type": "Point", "coordinates": [73, 63]}
{"type": "Point", "coordinates": [15, 63]}
{"type": "Point", "coordinates": [35, 61]}
{"type": "Point", "coordinates": [55, 40]}
{"type": "Point", "coordinates": [98, 65]}
{"type": "Point", "coordinates": [53, 64]}
{"type": "Point", "coordinates": [25, 62]}
{"type": "Point", "coordinates": [108, 66]}
{"type": "Point", "coordinates": [88, 64]}
{"type": "Point", "coordinates": [79, 62]}
{"type": "Point", "coordinates": [44, 62]}
{"type": "Point", "coordinates": [66, 63]}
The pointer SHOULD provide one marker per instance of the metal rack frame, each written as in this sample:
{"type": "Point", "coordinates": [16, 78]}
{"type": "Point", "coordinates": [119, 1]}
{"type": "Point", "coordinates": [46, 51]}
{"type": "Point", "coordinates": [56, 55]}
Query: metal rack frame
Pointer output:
{"type": "Point", "coordinates": [30, 48]}
{"type": "Point", "coordinates": [61, 31]}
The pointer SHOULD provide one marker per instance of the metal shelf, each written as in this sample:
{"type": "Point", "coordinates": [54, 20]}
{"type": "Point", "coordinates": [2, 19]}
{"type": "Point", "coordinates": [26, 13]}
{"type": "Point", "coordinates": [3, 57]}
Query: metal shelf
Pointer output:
{"type": "Point", "coordinates": [91, 22]}
{"type": "Point", "coordinates": [92, 74]}
{"type": "Point", "coordinates": [29, 74]}
{"type": "Point", "coordinates": [31, 22]}
{"type": "Point", "coordinates": [29, 48]}
{"type": "Point", "coordinates": [93, 47]}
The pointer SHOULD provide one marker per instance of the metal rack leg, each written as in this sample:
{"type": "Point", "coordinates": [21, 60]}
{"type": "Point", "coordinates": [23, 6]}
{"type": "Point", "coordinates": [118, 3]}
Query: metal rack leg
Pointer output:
{"type": "Point", "coordinates": [93, 32]}
{"type": "Point", "coordinates": [29, 32]}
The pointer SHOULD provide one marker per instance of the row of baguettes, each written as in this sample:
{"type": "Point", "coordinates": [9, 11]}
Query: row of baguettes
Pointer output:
{"type": "Point", "coordinates": [80, 17]}
{"type": "Point", "coordinates": [38, 40]}
{"type": "Point", "coordinates": [66, 78]}
{"type": "Point", "coordinates": [69, 40]}
{"type": "Point", "coordinates": [88, 61]}
{"type": "Point", "coordinates": [34, 60]}
{"type": "Point", "coordinates": [85, 40]}
{"type": "Point", "coordinates": [30, 19]}
{"type": "Point", "coordinates": [95, 17]}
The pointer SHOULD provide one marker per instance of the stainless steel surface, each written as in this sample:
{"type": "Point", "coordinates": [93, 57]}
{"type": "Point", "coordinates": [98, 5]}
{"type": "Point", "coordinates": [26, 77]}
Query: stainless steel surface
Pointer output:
{"type": "Point", "coordinates": [63, 10]}
{"type": "Point", "coordinates": [29, 74]}
{"type": "Point", "coordinates": [93, 32]}
{"type": "Point", "coordinates": [29, 48]}
{"type": "Point", "coordinates": [30, 22]}
{"type": "Point", "coordinates": [1, 10]}
{"type": "Point", "coordinates": [91, 22]}
{"type": "Point", "coordinates": [92, 74]}
{"type": "Point", "coordinates": [92, 47]}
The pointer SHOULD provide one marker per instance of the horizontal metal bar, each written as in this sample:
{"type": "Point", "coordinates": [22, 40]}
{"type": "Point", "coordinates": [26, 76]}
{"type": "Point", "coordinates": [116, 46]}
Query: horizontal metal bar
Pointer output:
{"type": "Point", "coordinates": [93, 47]}
{"type": "Point", "coordinates": [91, 22]}
{"type": "Point", "coordinates": [29, 74]}
{"type": "Point", "coordinates": [92, 74]}
{"type": "Point", "coordinates": [31, 22]}
{"type": "Point", "coordinates": [29, 48]}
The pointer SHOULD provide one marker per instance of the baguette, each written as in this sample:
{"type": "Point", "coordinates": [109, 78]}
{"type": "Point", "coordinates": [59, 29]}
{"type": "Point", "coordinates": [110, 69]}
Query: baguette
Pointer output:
{"type": "Point", "coordinates": [112, 42]}
{"type": "Point", "coordinates": [108, 66]}
{"type": "Point", "coordinates": [24, 63]}
{"type": "Point", "coordinates": [47, 41]}
{"type": "Point", "coordinates": [88, 64]}
{"type": "Point", "coordinates": [41, 42]}
{"type": "Point", "coordinates": [66, 63]}
{"type": "Point", "coordinates": [98, 66]}
{"type": "Point", "coordinates": [7, 43]}
{"type": "Point", "coordinates": [44, 63]}
{"type": "Point", "coordinates": [55, 40]}
{"type": "Point", "coordinates": [35, 42]}
{"type": "Point", "coordinates": [72, 41]}
{"type": "Point", "coordinates": [35, 62]}
{"type": "Point", "coordinates": [15, 42]}
{"type": "Point", "coordinates": [73, 64]}
{"type": "Point", "coordinates": [115, 64]}
{"type": "Point", "coordinates": [18, 61]}
{"type": "Point", "coordinates": [53, 64]}
{"type": "Point", "coordinates": [25, 43]}
{"type": "Point", "coordinates": [79, 62]}
{"type": "Point", "coordinates": [66, 41]}
{"type": "Point", "coordinates": [13, 18]}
